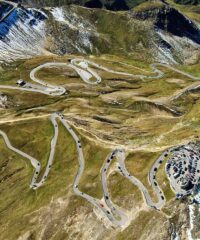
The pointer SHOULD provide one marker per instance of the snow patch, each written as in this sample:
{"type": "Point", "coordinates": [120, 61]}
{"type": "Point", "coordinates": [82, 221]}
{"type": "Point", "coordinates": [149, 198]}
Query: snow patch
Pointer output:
{"type": "Point", "coordinates": [25, 37]}
{"type": "Point", "coordinates": [24, 42]}
{"type": "Point", "coordinates": [189, 231]}
{"type": "Point", "coordinates": [58, 15]}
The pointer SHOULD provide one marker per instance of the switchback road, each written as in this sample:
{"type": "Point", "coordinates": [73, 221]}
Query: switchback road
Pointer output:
{"type": "Point", "coordinates": [86, 73]}
{"type": "Point", "coordinates": [116, 216]}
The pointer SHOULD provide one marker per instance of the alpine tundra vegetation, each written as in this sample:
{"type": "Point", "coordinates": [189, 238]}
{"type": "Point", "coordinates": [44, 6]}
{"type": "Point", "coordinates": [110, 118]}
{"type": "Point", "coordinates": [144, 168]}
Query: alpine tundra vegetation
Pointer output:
{"type": "Point", "coordinates": [100, 120]}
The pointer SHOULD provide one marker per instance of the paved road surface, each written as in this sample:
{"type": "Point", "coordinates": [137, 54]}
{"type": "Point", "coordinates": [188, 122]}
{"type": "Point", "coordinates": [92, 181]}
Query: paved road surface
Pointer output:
{"type": "Point", "coordinates": [35, 163]}
{"type": "Point", "coordinates": [117, 216]}
{"type": "Point", "coordinates": [107, 210]}
{"type": "Point", "coordinates": [90, 76]}
{"type": "Point", "coordinates": [112, 212]}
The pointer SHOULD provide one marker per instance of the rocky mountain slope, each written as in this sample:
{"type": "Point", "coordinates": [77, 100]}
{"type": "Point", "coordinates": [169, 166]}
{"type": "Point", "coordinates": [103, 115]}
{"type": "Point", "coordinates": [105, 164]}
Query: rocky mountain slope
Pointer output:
{"type": "Point", "coordinates": [179, 38]}
{"type": "Point", "coordinates": [22, 33]}
{"type": "Point", "coordinates": [146, 32]}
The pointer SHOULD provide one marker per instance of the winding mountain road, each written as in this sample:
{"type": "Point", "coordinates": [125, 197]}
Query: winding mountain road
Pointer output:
{"type": "Point", "coordinates": [116, 216]}
{"type": "Point", "coordinates": [86, 73]}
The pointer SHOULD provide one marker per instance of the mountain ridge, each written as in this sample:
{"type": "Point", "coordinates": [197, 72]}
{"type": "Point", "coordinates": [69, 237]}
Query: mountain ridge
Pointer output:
{"type": "Point", "coordinates": [146, 32]}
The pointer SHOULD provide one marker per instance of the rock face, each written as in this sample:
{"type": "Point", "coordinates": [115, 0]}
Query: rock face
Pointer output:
{"type": "Point", "coordinates": [182, 27]}
{"type": "Point", "coordinates": [178, 36]}
{"type": "Point", "coordinates": [170, 20]}
{"type": "Point", "coordinates": [4, 102]}
{"type": "Point", "coordinates": [74, 31]}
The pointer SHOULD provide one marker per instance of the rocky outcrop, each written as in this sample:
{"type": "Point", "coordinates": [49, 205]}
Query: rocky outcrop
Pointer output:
{"type": "Point", "coordinates": [22, 34]}
{"type": "Point", "coordinates": [4, 101]}
{"type": "Point", "coordinates": [152, 31]}
{"type": "Point", "coordinates": [178, 37]}
{"type": "Point", "coordinates": [172, 21]}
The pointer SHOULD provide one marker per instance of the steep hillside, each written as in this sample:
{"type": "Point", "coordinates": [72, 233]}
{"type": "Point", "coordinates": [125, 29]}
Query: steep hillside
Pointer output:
{"type": "Point", "coordinates": [179, 39]}
{"type": "Point", "coordinates": [146, 33]}
{"type": "Point", "coordinates": [22, 33]}
{"type": "Point", "coordinates": [88, 31]}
